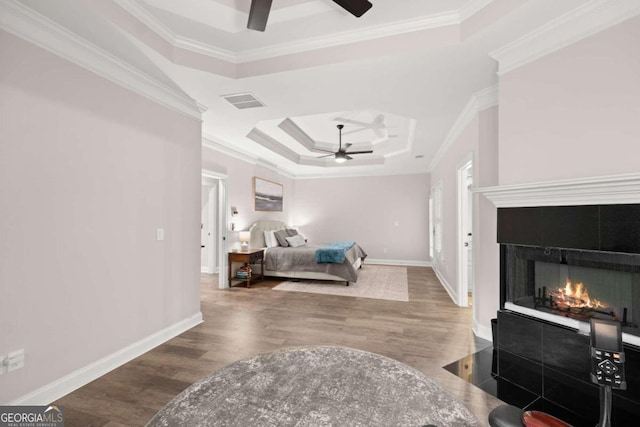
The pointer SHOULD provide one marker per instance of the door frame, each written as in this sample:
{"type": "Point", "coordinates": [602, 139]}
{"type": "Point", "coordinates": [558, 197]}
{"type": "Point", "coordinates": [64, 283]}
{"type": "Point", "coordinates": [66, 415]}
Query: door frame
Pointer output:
{"type": "Point", "coordinates": [221, 224]}
{"type": "Point", "coordinates": [212, 211]}
{"type": "Point", "coordinates": [465, 207]}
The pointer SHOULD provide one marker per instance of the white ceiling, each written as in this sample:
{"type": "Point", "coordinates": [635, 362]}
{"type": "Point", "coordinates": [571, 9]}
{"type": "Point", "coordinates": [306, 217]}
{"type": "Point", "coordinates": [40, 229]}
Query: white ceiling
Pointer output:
{"type": "Point", "coordinates": [407, 66]}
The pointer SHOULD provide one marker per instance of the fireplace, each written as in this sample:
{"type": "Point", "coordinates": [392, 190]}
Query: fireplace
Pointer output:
{"type": "Point", "coordinates": [559, 267]}
{"type": "Point", "coordinates": [566, 264]}
{"type": "Point", "coordinates": [569, 286]}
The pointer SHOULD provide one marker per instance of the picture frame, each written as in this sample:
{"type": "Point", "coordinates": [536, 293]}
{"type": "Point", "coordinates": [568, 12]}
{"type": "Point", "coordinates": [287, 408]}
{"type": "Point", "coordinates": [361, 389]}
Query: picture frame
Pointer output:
{"type": "Point", "coordinates": [267, 195]}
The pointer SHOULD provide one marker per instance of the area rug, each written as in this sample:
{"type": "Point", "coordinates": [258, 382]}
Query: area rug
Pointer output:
{"type": "Point", "coordinates": [374, 281]}
{"type": "Point", "coordinates": [315, 386]}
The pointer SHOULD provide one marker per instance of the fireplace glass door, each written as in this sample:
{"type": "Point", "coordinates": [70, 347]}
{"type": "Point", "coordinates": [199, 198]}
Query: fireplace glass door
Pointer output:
{"type": "Point", "coordinates": [576, 284]}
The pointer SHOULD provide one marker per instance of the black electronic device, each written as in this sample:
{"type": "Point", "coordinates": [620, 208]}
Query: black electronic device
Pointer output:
{"type": "Point", "coordinates": [607, 354]}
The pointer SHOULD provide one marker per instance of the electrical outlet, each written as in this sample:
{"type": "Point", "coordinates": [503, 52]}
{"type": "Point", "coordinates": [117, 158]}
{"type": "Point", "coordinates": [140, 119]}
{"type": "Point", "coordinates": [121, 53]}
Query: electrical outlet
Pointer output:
{"type": "Point", "coordinates": [15, 360]}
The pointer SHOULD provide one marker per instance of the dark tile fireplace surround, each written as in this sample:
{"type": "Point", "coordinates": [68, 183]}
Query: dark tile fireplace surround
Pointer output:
{"type": "Point", "coordinates": [546, 253]}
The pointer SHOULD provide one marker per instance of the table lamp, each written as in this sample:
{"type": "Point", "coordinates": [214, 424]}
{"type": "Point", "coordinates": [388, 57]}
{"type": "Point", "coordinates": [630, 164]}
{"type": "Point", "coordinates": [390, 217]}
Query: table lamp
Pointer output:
{"type": "Point", "coordinates": [245, 236]}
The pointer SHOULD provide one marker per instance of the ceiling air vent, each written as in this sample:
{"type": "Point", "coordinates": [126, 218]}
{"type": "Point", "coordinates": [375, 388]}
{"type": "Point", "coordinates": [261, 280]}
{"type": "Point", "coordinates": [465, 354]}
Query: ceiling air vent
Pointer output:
{"type": "Point", "coordinates": [243, 100]}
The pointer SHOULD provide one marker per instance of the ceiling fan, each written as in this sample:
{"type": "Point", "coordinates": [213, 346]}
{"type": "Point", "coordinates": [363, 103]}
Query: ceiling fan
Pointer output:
{"type": "Point", "coordinates": [342, 155]}
{"type": "Point", "coordinates": [259, 12]}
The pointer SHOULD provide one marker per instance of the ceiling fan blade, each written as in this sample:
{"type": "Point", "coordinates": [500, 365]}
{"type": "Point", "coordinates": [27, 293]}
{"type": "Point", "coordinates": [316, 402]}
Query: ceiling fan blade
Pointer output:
{"type": "Point", "coordinates": [346, 146]}
{"type": "Point", "coordinates": [328, 155]}
{"type": "Point", "coordinates": [351, 122]}
{"type": "Point", "coordinates": [360, 152]}
{"type": "Point", "coordinates": [324, 151]}
{"type": "Point", "coordinates": [348, 157]}
{"type": "Point", "coordinates": [355, 7]}
{"type": "Point", "coordinates": [259, 14]}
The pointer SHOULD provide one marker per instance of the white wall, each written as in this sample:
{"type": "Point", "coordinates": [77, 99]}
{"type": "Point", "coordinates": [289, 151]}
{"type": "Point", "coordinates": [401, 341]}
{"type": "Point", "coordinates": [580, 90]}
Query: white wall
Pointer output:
{"type": "Point", "coordinates": [240, 175]}
{"type": "Point", "coordinates": [387, 215]}
{"type": "Point", "coordinates": [445, 174]}
{"type": "Point", "coordinates": [486, 250]}
{"type": "Point", "coordinates": [364, 209]}
{"type": "Point", "coordinates": [479, 139]}
{"type": "Point", "coordinates": [88, 172]}
{"type": "Point", "coordinates": [574, 113]}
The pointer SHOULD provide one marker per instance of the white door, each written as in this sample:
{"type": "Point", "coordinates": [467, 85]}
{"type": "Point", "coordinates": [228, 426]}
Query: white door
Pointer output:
{"type": "Point", "coordinates": [468, 231]}
{"type": "Point", "coordinates": [218, 220]}
{"type": "Point", "coordinates": [465, 234]}
{"type": "Point", "coordinates": [208, 227]}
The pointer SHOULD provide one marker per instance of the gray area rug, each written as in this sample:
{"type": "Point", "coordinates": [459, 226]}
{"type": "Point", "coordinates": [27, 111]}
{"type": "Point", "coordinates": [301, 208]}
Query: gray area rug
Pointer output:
{"type": "Point", "coordinates": [315, 386]}
{"type": "Point", "coordinates": [374, 281]}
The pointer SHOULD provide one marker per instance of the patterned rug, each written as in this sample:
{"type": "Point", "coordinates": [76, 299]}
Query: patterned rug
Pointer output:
{"type": "Point", "coordinates": [315, 386]}
{"type": "Point", "coordinates": [374, 281]}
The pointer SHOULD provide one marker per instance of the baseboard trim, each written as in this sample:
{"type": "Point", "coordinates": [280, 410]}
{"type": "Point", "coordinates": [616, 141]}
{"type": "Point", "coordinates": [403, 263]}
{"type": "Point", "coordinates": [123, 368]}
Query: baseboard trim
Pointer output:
{"type": "Point", "coordinates": [482, 331]}
{"type": "Point", "coordinates": [65, 385]}
{"type": "Point", "coordinates": [409, 263]}
{"type": "Point", "coordinates": [446, 285]}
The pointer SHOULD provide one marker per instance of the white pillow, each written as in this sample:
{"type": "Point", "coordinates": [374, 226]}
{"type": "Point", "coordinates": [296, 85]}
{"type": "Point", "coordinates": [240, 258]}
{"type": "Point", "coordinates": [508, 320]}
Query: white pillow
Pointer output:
{"type": "Point", "coordinates": [295, 241]}
{"type": "Point", "coordinates": [270, 239]}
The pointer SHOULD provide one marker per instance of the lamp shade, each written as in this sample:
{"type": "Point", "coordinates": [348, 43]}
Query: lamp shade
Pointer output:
{"type": "Point", "coordinates": [245, 236]}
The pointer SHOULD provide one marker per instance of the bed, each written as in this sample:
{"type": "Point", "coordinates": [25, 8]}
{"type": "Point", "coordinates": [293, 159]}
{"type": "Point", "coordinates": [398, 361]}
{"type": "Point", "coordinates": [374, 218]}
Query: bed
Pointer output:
{"type": "Point", "coordinates": [300, 262]}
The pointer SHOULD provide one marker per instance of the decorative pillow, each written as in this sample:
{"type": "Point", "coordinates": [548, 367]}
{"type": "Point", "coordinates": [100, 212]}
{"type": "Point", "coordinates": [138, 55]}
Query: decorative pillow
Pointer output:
{"type": "Point", "coordinates": [295, 241]}
{"type": "Point", "coordinates": [291, 232]}
{"type": "Point", "coordinates": [269, 239]}
{"type": "Point", "coordinates": [281, 236]}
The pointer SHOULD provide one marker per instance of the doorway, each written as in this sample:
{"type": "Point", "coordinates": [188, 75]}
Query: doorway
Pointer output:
{"type": "Point", "coordinates": [213, 225]}
{"type": "Point", "coordinates": [208, 226]}
{"type": "Point", "coordinates": [465, 232]}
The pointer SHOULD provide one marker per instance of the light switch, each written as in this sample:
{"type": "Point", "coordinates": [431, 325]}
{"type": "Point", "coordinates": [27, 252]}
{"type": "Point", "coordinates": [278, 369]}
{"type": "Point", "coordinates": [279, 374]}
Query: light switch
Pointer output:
{"type": "Point", "coordinates": [15, 360]}
{"type": "Point", "coordinates": [160, 234]}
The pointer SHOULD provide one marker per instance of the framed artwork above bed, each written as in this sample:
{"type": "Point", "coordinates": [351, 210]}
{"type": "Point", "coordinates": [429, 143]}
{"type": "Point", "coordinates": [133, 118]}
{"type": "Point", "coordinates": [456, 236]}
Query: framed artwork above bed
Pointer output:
{"type": "Point", "coordinates": [267, 195]}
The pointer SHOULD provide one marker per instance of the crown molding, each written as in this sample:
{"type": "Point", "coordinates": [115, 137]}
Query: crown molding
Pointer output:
{"type": "Point", "coordinates": [349, 37]}
{"type": "Point", "coordinates": [486, 98]}
{"type": "Point", "coordinates": [145, 17]}
{"type": "Point", "coordinates": [472, 7]}
{"type": "Point", "coordinates": [454, 17]}
{"type": "Point", "coordinates": [141, 14]}
{"type": "Point", "coordinates": [578, 24]}
{"type": "Point", "coordinates": [31, 26]}
{"type": "Point", "coordinates": [214, 143]}
{"type": "Point", "coordinates": [205, 49]}
{"type": "Point", "coordinates": [615, 189]}
{"type": "Point", "coordinates": [345, 173]}
{"type": "Point", "coordinates": [343, 38]}
{"type": "Point", "coordinates": [280, 171]}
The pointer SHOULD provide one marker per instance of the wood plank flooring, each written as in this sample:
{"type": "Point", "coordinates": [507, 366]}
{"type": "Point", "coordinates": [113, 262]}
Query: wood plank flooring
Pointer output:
{"type": "Point", "coordinates": [427, 333]}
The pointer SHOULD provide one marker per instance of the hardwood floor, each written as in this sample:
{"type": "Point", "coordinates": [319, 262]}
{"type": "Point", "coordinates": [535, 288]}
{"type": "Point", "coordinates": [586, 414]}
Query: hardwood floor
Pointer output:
{"type": "Point", "coordinates": [426, 333]}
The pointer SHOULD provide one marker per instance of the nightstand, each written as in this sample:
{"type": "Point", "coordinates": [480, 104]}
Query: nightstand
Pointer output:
{"type": "Point", "coordinates": [248, 257]}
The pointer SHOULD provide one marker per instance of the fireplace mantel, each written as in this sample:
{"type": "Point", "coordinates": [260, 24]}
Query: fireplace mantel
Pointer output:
{"type": "Point", "coordinates": [616, 189]}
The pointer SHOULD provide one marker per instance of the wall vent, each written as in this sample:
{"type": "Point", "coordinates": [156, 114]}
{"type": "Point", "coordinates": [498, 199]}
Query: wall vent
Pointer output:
{"type": "Point", "coordinates": [243, 100]}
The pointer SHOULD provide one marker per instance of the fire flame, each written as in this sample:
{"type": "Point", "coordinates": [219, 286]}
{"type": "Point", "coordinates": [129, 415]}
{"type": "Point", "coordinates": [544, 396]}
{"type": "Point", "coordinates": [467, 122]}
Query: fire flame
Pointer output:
{"type": "Point", "coordinates": [575, 297]}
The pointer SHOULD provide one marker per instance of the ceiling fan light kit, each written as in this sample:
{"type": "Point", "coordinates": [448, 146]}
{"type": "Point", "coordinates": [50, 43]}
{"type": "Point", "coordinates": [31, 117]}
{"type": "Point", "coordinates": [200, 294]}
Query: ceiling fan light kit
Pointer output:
{"type": "Point", "coordinates": [259, 12]}
{"type": "Point", "coordinates": [340, 158]}
{"type": "Point", "coordinates": [342, 155]}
